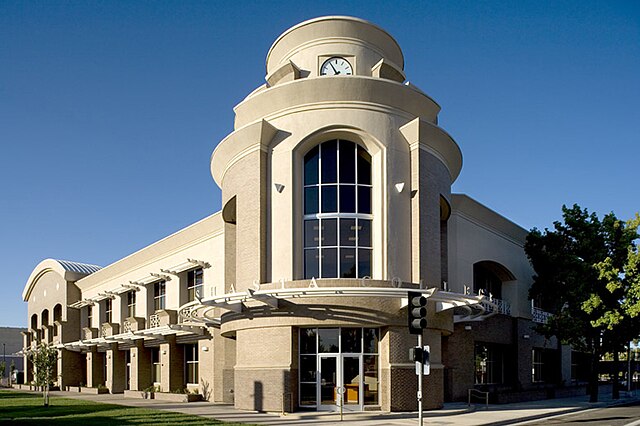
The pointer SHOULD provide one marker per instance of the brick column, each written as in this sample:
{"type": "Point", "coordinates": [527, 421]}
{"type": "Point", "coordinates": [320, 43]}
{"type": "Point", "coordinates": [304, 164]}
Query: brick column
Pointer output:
{"type": "Point", "coordinates": [116, 375]}
{"type": "Point", "coordinates": [71, 368]}
{"type": "Point", "coordinates": [140, 367]}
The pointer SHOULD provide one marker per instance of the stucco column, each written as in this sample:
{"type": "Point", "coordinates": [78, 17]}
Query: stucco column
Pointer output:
{"type": "Point", "coordinates": [116, 366]}
{"type": "Point", "coordinates": [95, 368]}
{"type": "Point", "coordinates": [140, 367]}
{"type": "Point", "coordinates": [172, 365]}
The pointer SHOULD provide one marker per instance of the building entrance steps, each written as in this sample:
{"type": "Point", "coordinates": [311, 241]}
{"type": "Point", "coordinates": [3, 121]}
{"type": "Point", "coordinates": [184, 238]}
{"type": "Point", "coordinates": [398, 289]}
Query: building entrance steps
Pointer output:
{"type": "Point", "coordinates": [450, 414]}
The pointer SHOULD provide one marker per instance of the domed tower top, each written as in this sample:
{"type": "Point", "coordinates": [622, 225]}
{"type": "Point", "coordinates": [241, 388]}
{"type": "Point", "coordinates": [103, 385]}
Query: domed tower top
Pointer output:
{"type": "Point", "coordinates": [335, 45]}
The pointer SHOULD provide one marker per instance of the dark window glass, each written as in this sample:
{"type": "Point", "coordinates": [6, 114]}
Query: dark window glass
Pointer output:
{"type": "Point", "coordinates": [364, 233]}
{"type": "Point", "coordinates": [347, 263]}
{"type": "Point", "coordinates": [311, 200]}
{"type": "Point", "coordinates": [329, 162]}
{"type": "Point", "coordinates": [337, 183]}
{"type": "Point", "coordinates": [311, 257]}
{"type": "Point", "coordinates": [195, 284]}
{"type": "Point", "coordinates": [308, 341]}
{"type": "Point", "coordinates": [307, 394]}
{"type": "Point", "coordinates": [351, 340]}
{"type": "Point", "coordinates": [371, 380]}
{"type": "Point", "coordinates": [364, 167]}
{"type": "Point", "coordinates": [330, 262]}
{"type": "Point", "coordinates": [311, 167]}
{"type": "Point", "coordinates": [329, 232]}
{"type": "Point", "coordinates": [330, 199]}
{"type": "Point", "coordinates": [159, 295]}
{"type": "Point", "coordinates": [347, 162]}
{"type": "Point", "coordinates": [347, 232]}
{"type": "Point", "coordinates": [364, 263]}
{"type": "Point", "coordinates": [311, 233]}
{"type": "Point", "coordinates": [327, 340]}
{"type": "Point", "coordinates": [364, 199]}
{"type": "Point", "coordinates": [347, 199]}
{"type": "Point", "coordinates": [371, 338]}
{"type": "Point", "coordinates": [308, 368]}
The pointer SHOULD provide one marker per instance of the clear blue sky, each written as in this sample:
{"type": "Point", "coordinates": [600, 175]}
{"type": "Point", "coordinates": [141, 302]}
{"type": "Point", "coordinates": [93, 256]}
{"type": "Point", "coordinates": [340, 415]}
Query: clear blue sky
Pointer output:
{"type": "Point", "coordinates": [109, 111]}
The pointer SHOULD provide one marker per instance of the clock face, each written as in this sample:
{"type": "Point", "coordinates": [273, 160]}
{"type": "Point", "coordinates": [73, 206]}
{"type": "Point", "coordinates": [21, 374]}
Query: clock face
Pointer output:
{"type": "Point", "coordinates": [336, 66]}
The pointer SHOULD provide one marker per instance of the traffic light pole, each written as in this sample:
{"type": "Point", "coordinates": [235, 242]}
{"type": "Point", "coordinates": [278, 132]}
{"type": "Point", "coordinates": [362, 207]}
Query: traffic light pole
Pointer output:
{"type": "Point", "coordinates": [420, 384]}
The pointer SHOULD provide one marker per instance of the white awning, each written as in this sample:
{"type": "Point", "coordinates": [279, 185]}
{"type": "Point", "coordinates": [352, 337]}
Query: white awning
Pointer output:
{"type": "Point", "coordinates": [186, 265]}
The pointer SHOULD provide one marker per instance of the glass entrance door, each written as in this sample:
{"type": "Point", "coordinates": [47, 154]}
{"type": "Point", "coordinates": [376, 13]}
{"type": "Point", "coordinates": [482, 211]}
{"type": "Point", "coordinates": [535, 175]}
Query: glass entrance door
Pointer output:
{"type": "Point", "coordinates": [340, 378]}
{"type": "Point", "coordinates": [328, 386]}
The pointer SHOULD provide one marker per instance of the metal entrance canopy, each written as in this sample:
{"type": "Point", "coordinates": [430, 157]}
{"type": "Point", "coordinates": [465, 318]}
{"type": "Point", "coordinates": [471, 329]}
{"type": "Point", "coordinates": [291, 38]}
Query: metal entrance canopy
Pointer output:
{"type": "Point", "coordinates": [202, 310]}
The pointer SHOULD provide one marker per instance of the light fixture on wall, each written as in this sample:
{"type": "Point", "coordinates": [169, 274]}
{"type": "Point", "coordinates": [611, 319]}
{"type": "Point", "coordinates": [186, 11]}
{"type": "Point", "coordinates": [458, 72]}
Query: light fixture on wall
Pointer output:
{"type": "Point", "coordinates": [279, 187]}
{"type": "Point", "coordinates": [525, 336]}
{"type": "Point", "coordinates": [205, 349]}
{"type": "Point", "coordinates": [164, 352]}
{"type": "Point", "coordinates": [399, 186]}
{"type": "Point", "coordinates": [467, 327]}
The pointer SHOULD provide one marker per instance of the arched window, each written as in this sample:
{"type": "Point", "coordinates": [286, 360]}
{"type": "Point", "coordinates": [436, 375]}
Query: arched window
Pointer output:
{"type": "Point", "coordinates": [337, 211]}
{"type": "Point", "coordinates": [34, 321]}
{"type": "Point", "coordinates": [489, 277]}
{"type": "Point", "coordinates": [45, 317]}
{"type": "Point", "coordinates": [57, 312]}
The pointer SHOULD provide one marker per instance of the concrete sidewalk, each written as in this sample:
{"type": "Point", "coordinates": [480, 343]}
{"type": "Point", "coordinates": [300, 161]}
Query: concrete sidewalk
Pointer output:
{"type": "Point", "coordinates": [451, 414]}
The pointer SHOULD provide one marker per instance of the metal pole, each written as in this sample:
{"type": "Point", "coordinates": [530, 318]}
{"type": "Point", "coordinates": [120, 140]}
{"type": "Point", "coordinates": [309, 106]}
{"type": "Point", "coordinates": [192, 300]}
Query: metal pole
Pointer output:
{"type": "Point", "coordinates": [629, 368]}
{"type": "Point", "coordinates": [420, 383]}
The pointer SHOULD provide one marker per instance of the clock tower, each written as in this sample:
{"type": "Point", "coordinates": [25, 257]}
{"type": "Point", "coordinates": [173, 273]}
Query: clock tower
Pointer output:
{"type": "Point", "coordinates": [338, 177]}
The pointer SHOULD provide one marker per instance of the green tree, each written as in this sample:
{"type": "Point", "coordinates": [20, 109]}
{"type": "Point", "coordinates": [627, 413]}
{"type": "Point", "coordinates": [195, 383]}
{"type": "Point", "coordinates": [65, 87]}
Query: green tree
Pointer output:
{"type": "Point", "coordinates": [44, 359]}
{"type": "Point", "coordinates": [621, 320]}
{"type": "Point", "coordinates": [566, 279]}
{"type": "Point", "coordinates": [3, 368]}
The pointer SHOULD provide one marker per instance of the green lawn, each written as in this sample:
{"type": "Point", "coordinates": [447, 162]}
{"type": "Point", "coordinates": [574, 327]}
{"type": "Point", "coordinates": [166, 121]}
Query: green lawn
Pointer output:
{"type": "Point", "coordinates": [26, 409]}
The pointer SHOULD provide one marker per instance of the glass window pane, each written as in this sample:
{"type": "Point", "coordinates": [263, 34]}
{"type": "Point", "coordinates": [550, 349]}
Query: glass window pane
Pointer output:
{"type": "Point", "coordinates": [330, 263]}
{"type": "Point", "coordinates": [364, 233]}
{"type": "Point", "coordinates": [364, 199]}
{"type": "Point", "coordinates": [351, 340]}
{"type": "Point", "coordinates": [329, 162]}
{"type": "Point", "coordinates": [347, 162]}
{"type": "Point", "coordinates": [311, 167]}
{"type": "Point", "coordinates": [364, 263]}
{"type": "Point", "coordinates": [311, 200]}
{"type": "Point", "coordinates": [371, 381]}
{"type": "Point", "coordinates": [347, 199]}
{"type": "Point", "coordinates": [364, 167]}
{"type": "Point", "coordinates": [307, 394]}
{"type": "Point", "coordinates": [347, 263]}
{"type": "Point", "coordinates": [311, 263]}
{"type": "Point", "coordinates": [347, 232]}
{"type": "Point", "coordinates": [311, 233]}
{"type": "Point", "coordinates": [351, 379]}
{"type": "Point", "coordinates": [329, 232]}
{"type": "Point", "coordinates": [370, 340]}
{"type": "Point", "coordinates": [330, 199]}
{"type": "Point", "coordinates": [308, 341]}
{"type": "Point", "coordinates": [327, 340]}
{"type": "Point", "coordinates": [308, 368]}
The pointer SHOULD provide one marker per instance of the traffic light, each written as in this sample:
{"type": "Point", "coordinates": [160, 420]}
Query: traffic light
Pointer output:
{"type": "Point", "coordinates": [416, 312]}
{"type": "Point", "coordinates": [416, 354]}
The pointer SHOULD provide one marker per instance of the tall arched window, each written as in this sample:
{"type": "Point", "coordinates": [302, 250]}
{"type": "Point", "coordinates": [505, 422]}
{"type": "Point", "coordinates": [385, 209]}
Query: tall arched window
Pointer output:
{"type": "Point", "coordinates": [337, 211]}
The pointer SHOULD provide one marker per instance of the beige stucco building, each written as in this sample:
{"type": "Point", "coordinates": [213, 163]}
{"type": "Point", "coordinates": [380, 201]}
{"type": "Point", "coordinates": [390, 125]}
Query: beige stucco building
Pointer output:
{"type": "Point", "coordinates": [336, 194]}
